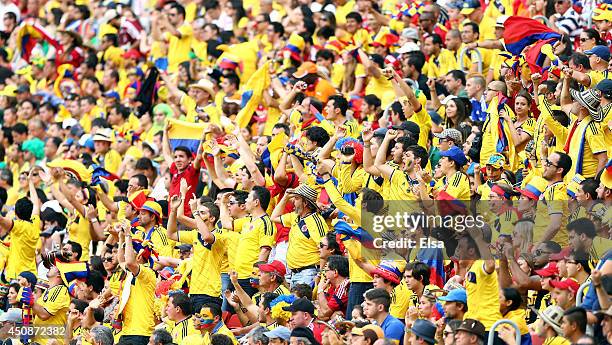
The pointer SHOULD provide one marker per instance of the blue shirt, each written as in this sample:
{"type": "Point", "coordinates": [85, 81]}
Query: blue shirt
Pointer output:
{"type": "Point", "coordinates": [590, 301]}
{"type": "Point", "coordinates": [393, 328]}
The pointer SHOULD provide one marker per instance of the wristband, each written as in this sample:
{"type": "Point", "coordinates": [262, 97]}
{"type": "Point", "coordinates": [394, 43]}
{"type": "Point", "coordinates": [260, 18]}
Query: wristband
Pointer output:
{"type": "Point", "coordinates": [94, 220]}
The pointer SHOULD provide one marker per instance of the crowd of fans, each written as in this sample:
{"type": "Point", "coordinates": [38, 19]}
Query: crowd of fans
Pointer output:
{"type": "Point", "coordinates": [302, 172]}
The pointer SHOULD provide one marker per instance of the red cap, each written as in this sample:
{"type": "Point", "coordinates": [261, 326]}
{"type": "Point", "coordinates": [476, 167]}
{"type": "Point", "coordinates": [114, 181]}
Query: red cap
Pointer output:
{"type": "Point", "coordinates": [566, 284]}
{"type": "Point", "coordinates": [562, 255]}
{"type": "Point", "coordinates": [548, 270]}
{"type": "Point", "coordinates": [276, 267]}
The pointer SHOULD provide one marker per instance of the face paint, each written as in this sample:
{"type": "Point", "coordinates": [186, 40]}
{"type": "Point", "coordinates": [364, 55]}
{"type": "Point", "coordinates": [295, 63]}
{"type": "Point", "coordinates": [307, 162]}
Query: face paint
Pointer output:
{"type": "Point", "coordinates": [254, 282]}
{"type": "Point", "coordinates": [205, 319]}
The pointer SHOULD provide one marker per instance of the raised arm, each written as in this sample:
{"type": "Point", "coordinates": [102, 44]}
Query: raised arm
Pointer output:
{"type": "Point", "coordinates": [175, 203]}
{"type": "Point", "coordinates": [368, 161]}
{"type": "Point", "coordinates": [130, 255]}
{"type": "Point", "coordinates": [166, 150]}
{"type": "Point", "coordinates": [248, 158]}
{"type": "Point", "coordinates": [33, 197]}
{"type": "Point", "coordinates": [380, 163]}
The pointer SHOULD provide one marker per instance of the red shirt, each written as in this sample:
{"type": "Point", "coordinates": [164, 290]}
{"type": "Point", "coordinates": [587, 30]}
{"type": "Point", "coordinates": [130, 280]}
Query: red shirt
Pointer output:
{"type": "Point", "coordinates": [337, 296]}
{"type": "Point", "coordinates": [191, 176]}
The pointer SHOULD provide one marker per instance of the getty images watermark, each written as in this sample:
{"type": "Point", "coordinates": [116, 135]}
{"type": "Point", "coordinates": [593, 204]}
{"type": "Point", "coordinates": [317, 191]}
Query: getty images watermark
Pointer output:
{"type": "Point", "coordinates": [401, 230]}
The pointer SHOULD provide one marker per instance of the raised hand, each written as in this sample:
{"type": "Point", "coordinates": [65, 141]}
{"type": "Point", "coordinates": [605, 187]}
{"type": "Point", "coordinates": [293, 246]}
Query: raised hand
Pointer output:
{"type": "Point", "coordinates": [175, 202]}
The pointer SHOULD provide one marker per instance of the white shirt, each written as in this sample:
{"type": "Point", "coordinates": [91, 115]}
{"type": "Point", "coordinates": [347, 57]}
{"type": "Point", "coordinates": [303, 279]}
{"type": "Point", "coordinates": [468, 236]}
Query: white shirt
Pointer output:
{"type": "Point", "coordinates": [6, 7]}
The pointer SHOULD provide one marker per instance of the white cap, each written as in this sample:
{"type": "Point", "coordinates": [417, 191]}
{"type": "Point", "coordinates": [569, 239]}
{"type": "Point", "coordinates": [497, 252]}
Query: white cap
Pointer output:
{"type": "Point", "coordinates": [408, 47]}
{"type": "Point", "coordinates": [500, 21]}
{"type": "Point", "coordinates": [52, 204]}
{"type": "Point", "coordinates": [67, 123]}
{"type": "Point", "coordinates": [84, 139]}
{"type": "Point", "coordinates": [153, 146]}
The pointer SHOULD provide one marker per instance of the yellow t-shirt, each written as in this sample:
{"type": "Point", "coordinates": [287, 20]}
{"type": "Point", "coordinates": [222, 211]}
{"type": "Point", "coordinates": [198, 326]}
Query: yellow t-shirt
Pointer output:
{"type": "Point", "coordinates": [593, 143]}
{"type": "Point", "coordinates": [254, 235]}
{"type": "Point", "coordinates": [458, 186]}
{"type": "Point", "coordinates": [304, 238]}
{"type": "Point", "coordinates": [486, 29]}
{"type": "Point", "coordinates": [182, 330]}
{"type": "Point", "coordinates": [162, 244]}
{"type": "Point", "coordinates": [111, 162]}
{"type": "Point", "coordinates": [204, 339]}
{"type": "Point", "coordinates": [342, 11]}
{"type": "Point", "coordinates": [382, 88]}
{"type": "Point", "coordinates": [206, 275]}
{"type": "Point", "coordinates": [56, 302]}
{"type": "Point", "coordinates": [78, 230]}
{"type": "Point", "coordinates": [399, 187]}
{"type": "Point", "coordinates": [483, 295]}
{"type": "Point", "coordinates": [22, 251]}
{"type": "Point", "coordinates": [401, 298]}
{"type": "Point", "coordinates": [232, 238]}
{"type": "Point", "coordinates": [139, 312]}
{"type": "Point", "coordinates": [179, 47]}
{"type": "Point", "coordinates": [555, 201]}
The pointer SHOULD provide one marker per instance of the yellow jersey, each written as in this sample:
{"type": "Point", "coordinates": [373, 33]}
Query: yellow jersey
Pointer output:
{"type": "Point", "coordinates": [305, 234]}
{"type": "Point", "coordinates": [56, 301]}
{"type": "Point", "coordinates": [22, 251]}
{"type": "Point", "coordinates": [483, 295]}
{"type": "Point", "coordinates": [179, 47]}
{"type": "Point", "coordinates": [554, 201]}
{"type": "Point", "coordinates": [182, 330]}
{"type": "Point", "coordinates": [401, 298]}
{"type": "Point", "coordinates": [111, 161]}
{"type": "Point", "coordinates": [162, 244]}
{"type": "Point", "coordinates": [258, 233]}
{"type": "Point", "coordinates": [78, 231]}
{"type": "Point", "coordinates": [206, 275]}
{"type": "Point", "coordinates": [139, 311]}
{"type": "Point", "coordinates": [204, 339]}
{"type": "Point", "coordinates": [587, 139]}
{"type": "Point", "coordinates": [458, 186]}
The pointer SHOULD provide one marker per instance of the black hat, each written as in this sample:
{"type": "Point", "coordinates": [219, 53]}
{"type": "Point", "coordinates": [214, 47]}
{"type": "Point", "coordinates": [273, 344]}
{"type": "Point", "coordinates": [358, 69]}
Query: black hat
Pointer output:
{"type": "Point", "coordinates": [184, 247]}
{"type": "Point", "coordinates": [301, 304]}
{"type": "Point", "coordinates": [304, 332]}
{"type": "Point", "coordinates": [473, 326]}
{"type": "Point", "coordinates": [408, 126]}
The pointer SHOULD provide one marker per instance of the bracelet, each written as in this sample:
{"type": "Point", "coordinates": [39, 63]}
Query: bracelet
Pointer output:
{"type": "Point", "coordinates": [367, 146]}
{"type": "Point", "coordinates": [94, 220]}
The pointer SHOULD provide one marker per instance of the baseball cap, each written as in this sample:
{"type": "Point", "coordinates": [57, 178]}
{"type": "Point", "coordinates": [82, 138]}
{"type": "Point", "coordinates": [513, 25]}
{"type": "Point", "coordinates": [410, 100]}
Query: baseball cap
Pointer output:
{"type": "Point", "coordinates": [450, 133]}
{"type": "Point", "coordinates": [562, 255]}
{"type": "Point", "coordinates": [499, 23]}
{"type": "Point", "coordinates": [408, 126]}
{"type": "Point", "coordinates": [548, 271]}
{"type": "Point", "coordinates": [455, 295]}
{"type": "Point", "coordinates": [566, 284]}
{"type": "Point", "coordinates": [469, 6]}
{"type": "Point", "coordinates": [496, 160]}
{"type": "Point", "coordinates": [280, 332]}
{"type": "Point", "coordinates": [408, 47]}
{"type": "Point", "coordinates": [305, 69]}
{"type": "Point", "coordinates": [473, 326]}
{"type": "Point", "coordinates": [605, 86]}
{"type": "Point", "coordinates": [301, 304]}
{"type": "Point", "coordinates": [456, 154]}
{"type": "Point", "coordinates": [276, 267]}
{"type": "Point", "coordinates": [601, 51]}
{"type": "Point", "coordinates": [410, 33]}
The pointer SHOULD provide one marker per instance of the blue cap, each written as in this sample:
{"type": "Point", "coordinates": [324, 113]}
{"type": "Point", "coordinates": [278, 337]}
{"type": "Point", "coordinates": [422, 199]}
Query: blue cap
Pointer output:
{"type": "Point", "coordinates": [281, 332]}
{"type": "Point", "coordinates": [455, 295]}
{"type": "Point", "coordinates": [112, 94]}
{"type": "Point", "coordinates": [605, 86]}
{"type": "Point", "coordinates": [469, 6]}
{"type": "Point", "coordinates": [601, 51]}
{"type": "Point", "coordinates": [456, 154]}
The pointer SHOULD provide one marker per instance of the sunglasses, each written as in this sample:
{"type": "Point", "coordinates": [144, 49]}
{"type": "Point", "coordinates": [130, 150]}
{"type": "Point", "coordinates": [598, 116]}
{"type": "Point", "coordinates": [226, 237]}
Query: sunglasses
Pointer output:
{"type": "Point", "coordinates": [539, 252]}
{"type": "Point", "coordinates": [582, 39]}
{"type": "Point", "coordinates": [548, 163]}
{"type": "Point", "coordinates": [109, 259]}
{"type": "Point", "coordinates": [322, 245]}
{"type": "Point", "coordinates": [446, 333]}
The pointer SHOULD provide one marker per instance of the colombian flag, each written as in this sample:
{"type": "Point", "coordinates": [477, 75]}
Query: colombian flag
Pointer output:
{"type": "Point", "coordinates": [271, 155]}
{"type": "Point", "coordinates": [101, 173]}
{"type": "Point", "coordinates": [28, 35]}
{"type": "Point", "coordinates": [70, 271]}
{"type": "Point", "coordinates": [253, 93]}
{"type": "Point", "coordinates": [520, 32]}
{"type": "Point", "coordinates": [183, 133]}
